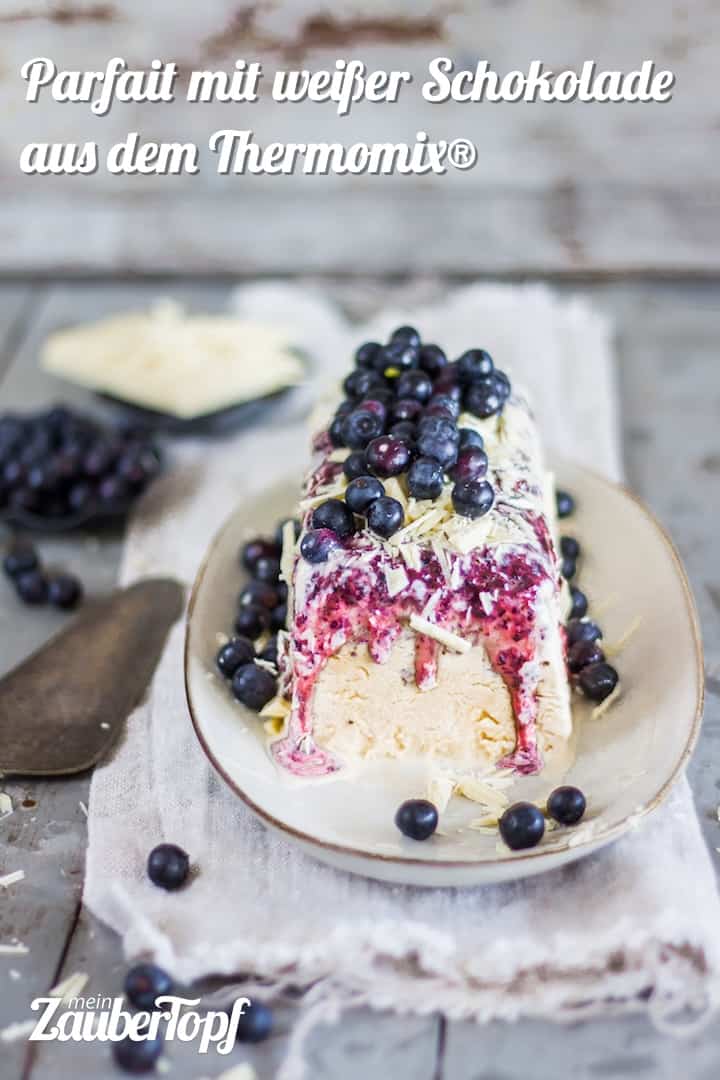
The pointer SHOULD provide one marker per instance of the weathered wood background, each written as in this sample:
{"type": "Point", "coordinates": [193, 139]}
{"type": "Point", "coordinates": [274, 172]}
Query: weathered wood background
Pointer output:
{"type": "Point", "coordinates": [559, 188]}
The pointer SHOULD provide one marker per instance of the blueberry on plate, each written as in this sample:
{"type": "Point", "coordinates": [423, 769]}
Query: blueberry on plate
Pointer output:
{"type": "Point", "coordinates": [255, 1023]}
{"type": "Point", "coordinates": [569, 547]}
{"type": "Point", "coordinates": [598, 681]}
{"type": "Point", "coordinates": [385, 516]}
{"type": "Point", "coordinates": [414, 384]}
{"type": "Point", "coordinates": [234, 654]}
{"type": "Point", "coordinates": [168, 866]}
{"type": "Point", "coordinates": [359, 427]}
{"type": "Point", "coordinates": [425, 478]}
{"type": "Point", "coordinates": [582, 630]}
{"type": "Point", "coordinates": [334, 515]}
{"type": "Point", "coordinates": [137, 1055]}
{"type": "Point", "coordinates": [32, 588]}
{"type": "Point", "coordinates": [583, 653]}
{"type": "Point", "coordinates": [565, 503]}
{"type": "Point", "coordinates": [471, 464]}
{"type": "Point", "coordinates": [251, 620]}
{"type": "Point", "coordinates": [522, 826]}
{"type": "Point", "coordinates": [145, 983]}
{"type": "Point", "coordinates": [417, 818]}
{"type": "Point", "coordinates": [432, 359]}
{"type": "Point", "coordinates": [472, 498]}
{"type": "Point", "coordinates": [355, 465]}
{"type": "Point", "coordinates": [366, 353]}
{"type": "Point", "coordinates": [259, 594]}
{"type": "Point", "coordinates": [566, 805]}
{"type": "Point", "coordinates": [257, 549]}
{"type": "Point", "coordinates": [361, 492]}
{"type": "Point", "coordinates": [579, 606]}
{"type": "Point", "coordinates": [253, 686]}
{"type": "Point", "coordinates": [406, 335]}
{"type": "Point", "coordinates": [65, 591]}
{"type": "Point", "coordinates": [317, 545]}
{"type": "Point", "coordinates": [475, 364]}
{"type": "Point", "coordinates": [20, 560]}
{"type": "Point", "coordinates": [470, 437]}
{"type": "Point", "coordinates": [267, 569]}
{"type": "Point", "coordinates": [387, 456]}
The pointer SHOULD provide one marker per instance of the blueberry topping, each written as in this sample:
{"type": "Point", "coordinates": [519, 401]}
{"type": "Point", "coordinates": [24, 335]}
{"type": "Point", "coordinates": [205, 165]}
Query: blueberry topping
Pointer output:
{"type": "Point", "coordinates": [297, 528]}
{"type": "Point", "coordinates": [472, 498]}
{"type": "Point", "coordinates": [582, 630]}
{"type": "Point", "coordinates": [255, 1023]}
{"type": "Point", "coordinates": [168, 866]}
{"type": "Point", "coordinates": [355, 465]}
{"type": "Point", "coordinates": [432, 359]}
{"type": "Point", "coordinates": [145, 983]}
{"type": "Point", "coordinates": [502, 385]}
{"type": "Point", "coordinates": [335, 431]}
{"type": "Point", "coordinates": [20, 560]}
{"type": "Point", "coordinates": [317, 545]}
{"type": "Point", "coordinates": [566, 805]}
{"type": "Point", "coordinates": [406, 431]}
{"type": "Point", "coordinates": [417, 818]}
{"type": "Point", "coordinates": [359, 427]}
{"type": "Point", "coordinates": [522, 826]}
{"type": "Point", "coordinates": [385, 516]}
{"type": "Point", "coordinates": [414, 384]}
{"type": "Point", "coordinates": [231, 656]}
{"type": "Point", "coordinates": [270, 652]}
{"type": "Point", "coordinates": [439, 425]}
{"type": "Point", "coordinates": [267, 569]}
{"type": "Point", "coordinates": [334, 515]}
{"type": "Point", "coordinates": [437, 446]}
{"type": "Point", "coordinates": [251, 620]}
{"type": "Point", "coordinates": [253, 686]}
{"type": "Point", "coordinates": [361, 492]}
{"type": "Point", "coordinates": [579, 606]}
{"type": "Point", "coordinates": [346, 406]}
{"type": "Point", "coordinates": [565, 503]}
{"type": "Point", "coordinates": [366, 354]}
{"type": "Point", "coordinates": [443, 405]}
{"type": "Point", "coordinates": [568, 568]}
{"type": "Point", "coordinates": [406, 409]}
{"type": "Point", "coordinates": [598, 681]}
{"type": "Point", "coordinates": [406, 335]}
{"type": "Point", "coordinates": [470, 437]}
{"type": "Point", "coordinates": [64, 591]}
{"type": "Point", "coordinates": [361, 382]}
{"type": "Point", "coordinates": [32, 587]}
{"type": "Point", "coordinates": [482, 399]}
{"type": "Point", "coordinates": [278, 617]}
{"type": "Point", "coordinates": [375, 405]}
{"type": "Point", "coordinates": [259, 594]}
{"type": "Point", "coordinates": [387, 456]}
{"type": "Point", "coordinates": [257, 549]}
{"type": "Point", "coordinates": [582, 654]}
{"type": "Point", "coordinates": [396, 358]}
{"type": "Point", "coordinates": [137, 1055]}
{"type": "Point", "coordinates": [471, 464]}
{"type": "Point", "coordinates": [425, 478]}
{"type": "Point", "coordinates": [475, 364]}
{"type": "Point", "coordinates": [569, 547]}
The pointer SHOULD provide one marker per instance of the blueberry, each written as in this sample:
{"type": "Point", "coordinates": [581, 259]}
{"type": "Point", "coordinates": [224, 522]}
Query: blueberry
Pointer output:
{"type": "Point", "coordinates": [406, 408]}
{"type": "Point", "coordinates": [522, 826]}
{"type": "Point", "coordinates": [278, 617]}
{"type": "Point", "coordinates": [417, 818]}
{"type": "Point", "coordinates": [432, 359]}
{"type": "Point", "coordinates": [443, 449]}
{"type": "Point", "coordinates": [448, 382]}
{"type": "Point", "coordinates": [443, 405]}
{"type": "Point", "coordinates": [257, 549]}
{"type": "Point", "coordinates": [145, 983]}
{"type": "Point", "coordinates": [253, 686]}
{"type": "Point", "coordinates": [14, 473]}
{"type": "Point", "coordinates": [65, 591]}
{"type": "Point", "coordinates": [566, 805]}
{"type": "Point", "coordinates": [359, 427]}
{"type": "Point", "coordinates": [168, 866]}
{"type": "Point", "coordinates": [482, 400]}
{"type": "Point", "coordinates": [267, 569]}
{"type": "Point", "coordinates": [376, 406]}
{"type": "Point", "coordinates": [425, 478]}
{"type": "Point", "coordinates": [81, 497]}
{"type": "Point", "coordinates": [297, 529]}
{"type": "Point", "coordinates": [32, 587]}
{"type": "Point", "coordinates": [282, 592]}
{"type": "Point", "coordinates": [345, 407]}
{"type": "Point", "coordinates": [137, 1055]}
{"type": "Point", "coordinates": [406, 431]}
{"type": "Point", "coordinates": [503, 389]}
{"type": "Point", "coordinates": [25, 499]}
{"type": "Point", "coordinates": [579, 606]}
{"type": "Point", "coordinates": [598, 681]}
{"type": "Point", "coordinates": [335, 431]}
{"type": "Point", "coordinates": [366, 353]}
{"type": "Point", "coordinates": [414, 384]}
{"type": "Point", "coordinates": [20, 560]}
{"type": "Point", "coordinates": [260, 594]}
{"type": "Point", "coordinates": [237, 651]}
{"type": "Point", "coordinates": [440, 426]}
{"type": "Point", "coordinates": [569, 547]}
{"type": "Point", "coordinates": [334, 515]}
{"type": "Point", "coordinates": [361, 492]}
{"type": "Point", "coordinates": [470, 437]}
{"type": "Point", "coordinates": [251, 620]}
{"type": "Point", "coordinates": [475, 364]}
{"type": "Point", "coordinates": [360, 382]}
{"type": "Point", "coordinates": [98, 460]}
{"type": "Point", "coordinates": [387, 456]}
{"type": "Point", "coordinates": [392, 359]}
{"type": "Point", "coordinates": [471, 464]}
{"type": "Point", "coordinates": [385, 516]}
{"type": "Point", "coordinates": [380, 394]}
{"type": "Point", "coordinates": [355, 465]}
{"type": "Point", "coordinates": [583, 653]}
{"type": "Point", "coordinates": [568, 568]}
{"type": "Point", "coordinates": [270, 652]}
{"type": "Point", "coordinates": [255, 1023]}
{"type": "Point", "coordinates": [406, 335]}
{"type": "Point", "coordinates": [582, 630]}
{"type": "Point", "coordinates": [565, 503]}
{"type": "Point", "coordinates": [472, 498]}
{"type": "Point", "coordinates": [317, 545]}
{"type": "Point", "coordinates": [113, 490]}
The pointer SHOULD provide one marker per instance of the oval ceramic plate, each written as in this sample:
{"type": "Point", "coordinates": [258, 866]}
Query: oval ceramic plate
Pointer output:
{"type": "Point", "coordinates": [625, 761]}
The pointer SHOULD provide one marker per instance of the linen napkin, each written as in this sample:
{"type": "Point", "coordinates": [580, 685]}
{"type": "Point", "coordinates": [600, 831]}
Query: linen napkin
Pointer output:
{"type": "Point", "coordinates": [635, 926]}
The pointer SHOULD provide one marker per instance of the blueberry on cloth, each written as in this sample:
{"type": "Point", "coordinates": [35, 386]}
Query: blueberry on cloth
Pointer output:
{"type": "Point", "coordinates": [168, 866]}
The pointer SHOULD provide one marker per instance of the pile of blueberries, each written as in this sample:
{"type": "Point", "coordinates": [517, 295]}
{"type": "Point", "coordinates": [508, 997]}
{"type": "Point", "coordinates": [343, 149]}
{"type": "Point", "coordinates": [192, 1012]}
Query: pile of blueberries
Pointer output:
{"type": "Point", "coordinates": [585, 658]}
{"type": "Point", "coordinates": [34, 586]}
{"type": "Point", "coordinates": [400, 416]}
{"type": "Point", "coordinates": [262, 609]}
{"type": "Point", "coordinates": [59, 465]}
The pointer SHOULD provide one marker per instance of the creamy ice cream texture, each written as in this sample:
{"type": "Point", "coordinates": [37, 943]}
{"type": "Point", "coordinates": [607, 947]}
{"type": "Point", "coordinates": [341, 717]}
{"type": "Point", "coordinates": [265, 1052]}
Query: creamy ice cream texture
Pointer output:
{"type": "Point", "coordinates": [444, 642]}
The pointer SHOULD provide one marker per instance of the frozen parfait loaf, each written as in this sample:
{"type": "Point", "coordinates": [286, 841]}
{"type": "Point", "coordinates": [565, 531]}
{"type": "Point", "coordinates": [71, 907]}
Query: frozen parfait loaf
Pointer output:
{"type": "Point", "coordinates": [426, 604]}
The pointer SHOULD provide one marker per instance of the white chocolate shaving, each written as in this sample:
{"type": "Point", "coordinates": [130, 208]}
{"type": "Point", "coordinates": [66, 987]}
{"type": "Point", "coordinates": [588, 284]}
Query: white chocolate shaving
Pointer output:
{"type": "Point", "coordinates": [444, 637]}
{"type": "Point", "coordinates": [396, 579]}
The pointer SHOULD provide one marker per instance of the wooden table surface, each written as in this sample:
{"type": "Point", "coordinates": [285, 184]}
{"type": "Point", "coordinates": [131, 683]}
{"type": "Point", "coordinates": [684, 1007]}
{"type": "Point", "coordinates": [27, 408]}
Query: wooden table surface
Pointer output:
{"type": "Point", "coordinates": [669, 385]}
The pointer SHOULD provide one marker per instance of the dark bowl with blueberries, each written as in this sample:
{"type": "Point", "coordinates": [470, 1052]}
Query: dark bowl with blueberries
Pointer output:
{"type": "Point", "coordinates": [61, 469]}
